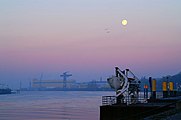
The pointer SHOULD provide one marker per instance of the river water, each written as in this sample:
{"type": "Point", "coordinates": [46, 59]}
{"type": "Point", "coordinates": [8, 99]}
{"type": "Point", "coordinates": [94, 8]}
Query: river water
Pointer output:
{"type": "Point", "coordinates": [52, 105]}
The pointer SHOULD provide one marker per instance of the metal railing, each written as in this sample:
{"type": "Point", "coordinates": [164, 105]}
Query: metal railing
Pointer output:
{"type": "Point", "coordinates": [108, 100]}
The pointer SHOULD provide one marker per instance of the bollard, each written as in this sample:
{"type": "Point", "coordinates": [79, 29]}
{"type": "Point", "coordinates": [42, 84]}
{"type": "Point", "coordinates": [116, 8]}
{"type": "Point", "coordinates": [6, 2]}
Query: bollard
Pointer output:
{"type": "Point", "coordinates": [171, 89]}
{"type": "Point", "coordinates": [164, 88]}
{"type": "Point", "coordinates": [154, 89]}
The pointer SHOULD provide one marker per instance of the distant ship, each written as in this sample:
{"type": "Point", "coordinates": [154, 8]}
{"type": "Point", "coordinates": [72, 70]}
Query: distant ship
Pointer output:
{"type": "Point", "coordinates": [4, 90]}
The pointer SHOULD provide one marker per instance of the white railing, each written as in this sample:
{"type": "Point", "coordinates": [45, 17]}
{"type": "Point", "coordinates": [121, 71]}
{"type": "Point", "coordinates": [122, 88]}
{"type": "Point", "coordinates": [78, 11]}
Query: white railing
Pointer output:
{"type": "Point", "coordinates": [112, 100]}
{"type": "Point", "coordinates": [108, 100]}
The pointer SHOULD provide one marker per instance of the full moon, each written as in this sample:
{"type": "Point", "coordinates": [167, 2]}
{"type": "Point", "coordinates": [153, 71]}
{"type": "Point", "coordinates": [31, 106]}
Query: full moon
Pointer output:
{"type": "Point", "coordinates": [124, 22]}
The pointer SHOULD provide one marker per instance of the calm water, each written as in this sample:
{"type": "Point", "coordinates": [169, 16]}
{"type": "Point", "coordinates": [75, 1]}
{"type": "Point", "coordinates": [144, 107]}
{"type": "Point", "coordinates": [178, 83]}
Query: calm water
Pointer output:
{"type": "Point", "coordinates": [51, 105]}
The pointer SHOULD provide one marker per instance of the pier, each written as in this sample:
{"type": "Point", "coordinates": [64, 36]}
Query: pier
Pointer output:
{"type": "Point", "coordinates": [128, 104]}
{"type": "Point", "coordinates": [139, 110]}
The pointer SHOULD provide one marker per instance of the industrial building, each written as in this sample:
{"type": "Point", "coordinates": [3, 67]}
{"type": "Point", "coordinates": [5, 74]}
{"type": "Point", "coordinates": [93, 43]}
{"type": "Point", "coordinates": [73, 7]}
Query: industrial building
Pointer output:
{"type": "Point", "coordinates": [68, 85]}
{"type": "Point", "coordinates": [47, 84]}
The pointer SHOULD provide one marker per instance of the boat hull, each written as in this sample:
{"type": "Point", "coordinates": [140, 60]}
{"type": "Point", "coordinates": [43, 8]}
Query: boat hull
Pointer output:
{"type": "Point", "coordinates": [5, 91]}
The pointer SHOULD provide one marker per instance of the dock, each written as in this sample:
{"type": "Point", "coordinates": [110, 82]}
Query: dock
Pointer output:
{"type": "Point", "coordinates": [139, 110]}
{"type": "Point", "coordinates": [128, 104]}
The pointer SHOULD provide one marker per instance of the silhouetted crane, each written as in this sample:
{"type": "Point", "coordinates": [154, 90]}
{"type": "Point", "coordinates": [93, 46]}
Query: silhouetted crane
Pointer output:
{"type": "Point", "coordinates": [65, 76]}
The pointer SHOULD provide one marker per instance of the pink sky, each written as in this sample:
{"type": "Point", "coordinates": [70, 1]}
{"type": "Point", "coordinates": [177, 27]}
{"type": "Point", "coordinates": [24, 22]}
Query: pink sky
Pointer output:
{"type": "Point", "coordinates": [56, 36]}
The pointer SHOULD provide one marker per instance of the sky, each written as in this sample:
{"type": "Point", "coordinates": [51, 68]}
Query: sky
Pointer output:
{"type": "Point", "coordinates": [86, 38]}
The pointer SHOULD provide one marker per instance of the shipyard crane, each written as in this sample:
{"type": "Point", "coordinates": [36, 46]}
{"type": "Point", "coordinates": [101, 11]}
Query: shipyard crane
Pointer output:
{"type": "Point", "coordinates": [126, 85]}
{"type": "Point", "coordinates": [65, 76]}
